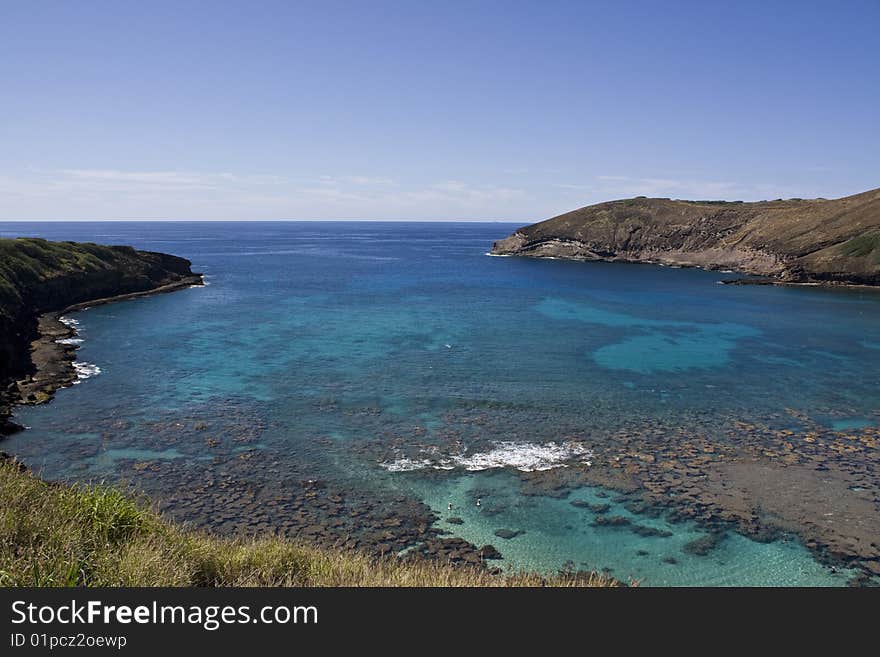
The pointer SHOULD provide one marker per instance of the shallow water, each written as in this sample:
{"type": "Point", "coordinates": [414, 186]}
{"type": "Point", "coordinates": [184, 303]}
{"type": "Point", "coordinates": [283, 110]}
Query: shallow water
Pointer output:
{"type": "Point", "coordinates": [555, 531]}
{"type": "Point", "coordinates": [397, 357]}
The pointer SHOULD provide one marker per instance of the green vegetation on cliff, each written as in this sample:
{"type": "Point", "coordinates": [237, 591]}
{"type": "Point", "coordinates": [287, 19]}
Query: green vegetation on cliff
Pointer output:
{"type": "Point", "coordinates": [27, 262]}
{"type": "Point", "coordinates": [59, 535]}
{"type": "Point", "coordinates": [794, 240]}
{"type": "Point", "coordinates": [38, 276]}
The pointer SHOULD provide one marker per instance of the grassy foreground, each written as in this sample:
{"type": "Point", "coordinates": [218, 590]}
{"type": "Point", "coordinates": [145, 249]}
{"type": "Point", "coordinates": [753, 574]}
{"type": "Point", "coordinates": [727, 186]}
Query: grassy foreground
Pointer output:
{"type": "Point", "coordinates": [58, 535]}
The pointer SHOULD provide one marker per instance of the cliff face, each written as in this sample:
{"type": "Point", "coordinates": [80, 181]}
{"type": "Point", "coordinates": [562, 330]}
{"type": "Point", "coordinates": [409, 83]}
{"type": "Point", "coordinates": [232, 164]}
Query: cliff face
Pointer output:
{"type": "Point", "coordinates": [794, 240]}
{"type": "Point", "coordinates": [37, 276]}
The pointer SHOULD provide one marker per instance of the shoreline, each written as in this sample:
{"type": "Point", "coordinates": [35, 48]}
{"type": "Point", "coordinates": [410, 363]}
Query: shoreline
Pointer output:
{"type": "Point", "coordinates": [756, 279]}
{"type": "Point", "coordinates": [53, 361]}
{"type": "Point", "coordinates": [196, 280]}
{"type": "Point", "coordinates": [822, 285]}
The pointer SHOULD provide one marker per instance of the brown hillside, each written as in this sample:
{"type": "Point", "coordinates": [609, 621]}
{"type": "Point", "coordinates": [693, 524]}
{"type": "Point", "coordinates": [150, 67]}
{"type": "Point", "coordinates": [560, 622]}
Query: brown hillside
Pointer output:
{"type": "Point", "coordinates": [793, 240]}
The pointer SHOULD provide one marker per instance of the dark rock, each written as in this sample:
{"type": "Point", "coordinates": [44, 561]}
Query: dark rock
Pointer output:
{"type": "Point", "coordinates": [611, 521]}
{"type": "Point", "coordinates": [764, 534]}
{"type": "Point", "coordinates": [595, 508]}
{"type": "Point", "coordinates": [703, 545]}
{"type": "Point", "coordinates": [8, 427]}
{"type": "Point", "coordinates": [490, 552]}
{"type": "Point", "coordinates": [9, 458]}
{"type": "Point", "coordinates": [872, 567]}
{"type": "Point", "coordinates": [643, 508]}
{"type": "Point", "coordinates": [642, 530]}
{"type": "Point", "coordinates": [508, 533]}
{"type": "Point", "coordinates": [455, 521]}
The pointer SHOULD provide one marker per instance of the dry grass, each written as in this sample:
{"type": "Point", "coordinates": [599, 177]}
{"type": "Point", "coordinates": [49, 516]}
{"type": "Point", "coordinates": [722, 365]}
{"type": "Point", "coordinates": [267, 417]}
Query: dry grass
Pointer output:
{"type": "Point", "coordinates": [56, 535]}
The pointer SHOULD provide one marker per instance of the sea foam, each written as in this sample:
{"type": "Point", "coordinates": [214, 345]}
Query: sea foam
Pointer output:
{"type": "Point", "coordinates": [85, 371]}
{"type": "Point", "coordinates": [526, 457]}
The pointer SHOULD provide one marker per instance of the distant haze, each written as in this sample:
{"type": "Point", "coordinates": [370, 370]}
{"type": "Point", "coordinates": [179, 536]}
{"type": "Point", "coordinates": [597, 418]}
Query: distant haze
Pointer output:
{"type": "Point", "coordinates": [429, 111]}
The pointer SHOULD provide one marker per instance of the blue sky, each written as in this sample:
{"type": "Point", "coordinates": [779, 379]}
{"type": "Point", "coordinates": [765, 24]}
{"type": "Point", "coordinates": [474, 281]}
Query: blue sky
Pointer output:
{"type": "Point", "coordinates": [422, 110]}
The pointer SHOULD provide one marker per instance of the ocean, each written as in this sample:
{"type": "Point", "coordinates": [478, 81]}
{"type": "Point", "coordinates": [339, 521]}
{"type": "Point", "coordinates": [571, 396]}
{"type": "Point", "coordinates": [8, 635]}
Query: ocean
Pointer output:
{"type": "Point", "coordinates": [335, 377]}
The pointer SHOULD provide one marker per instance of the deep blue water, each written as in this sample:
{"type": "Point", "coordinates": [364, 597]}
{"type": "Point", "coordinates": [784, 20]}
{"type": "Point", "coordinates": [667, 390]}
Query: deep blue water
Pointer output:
{"type": "Point", "coordinates": [398, 356]}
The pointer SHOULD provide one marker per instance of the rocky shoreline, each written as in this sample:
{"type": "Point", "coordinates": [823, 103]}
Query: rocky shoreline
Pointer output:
{"type": "Point", "coordinates": [814, 284]}
{"type": "Point", "coordinates": [53, 353]}
{"type": "Point", "coordinates": [557, 249]}
{"type": "Point", "coordinates": [40, 281]}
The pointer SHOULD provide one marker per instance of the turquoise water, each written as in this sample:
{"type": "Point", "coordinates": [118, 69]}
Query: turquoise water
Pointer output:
{"type": "Point", "coordinates": [852, 423]}
{"type": "Point", "coordinates": [555, 531]}
{"type": "Point", "coordinates": [397, 359]}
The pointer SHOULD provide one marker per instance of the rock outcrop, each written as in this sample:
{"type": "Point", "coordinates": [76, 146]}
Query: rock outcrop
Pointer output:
{"type": "Point", "coordinates": [795, 240]}
{"type": "Point", "coordinates": [38, 276]}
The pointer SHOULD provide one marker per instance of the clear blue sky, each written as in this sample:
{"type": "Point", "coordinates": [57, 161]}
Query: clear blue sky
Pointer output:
{"type": "Point", "coordinates": [429, 110]}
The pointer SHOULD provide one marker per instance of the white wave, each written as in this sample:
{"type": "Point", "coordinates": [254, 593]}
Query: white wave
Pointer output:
{"type": "Point", "coordinates": [69, 341]}
{"type": "Point", "coordinates": [526, 457]}
{"type": "Point", "coordinates": [497, 255]}
{"type": "Point", "coordinates": [85, 371]}
{"type": "Point", "coordinates": [69, 322]}
{"type": "Point", "coordinates": [405, 465]}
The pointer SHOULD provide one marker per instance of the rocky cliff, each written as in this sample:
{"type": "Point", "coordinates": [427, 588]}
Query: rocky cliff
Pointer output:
{"type": "Point", "coordinates": [38, 276]}
{"type": "Point", "coordinates": [795, 240]}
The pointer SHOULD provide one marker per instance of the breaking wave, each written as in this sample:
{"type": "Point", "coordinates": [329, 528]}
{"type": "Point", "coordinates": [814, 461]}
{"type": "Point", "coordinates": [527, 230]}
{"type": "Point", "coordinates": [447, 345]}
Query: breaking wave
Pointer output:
{"type": "Point", "coordinates": [85, 371]}
{"type": "Point", "coordinates": [526, 457]}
